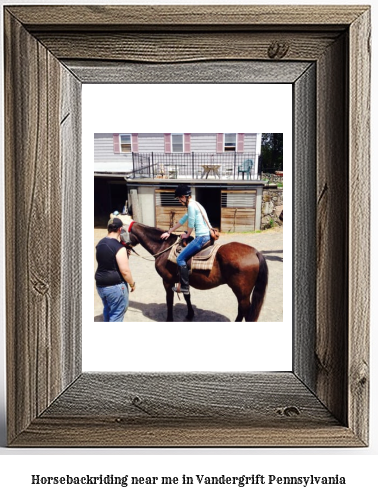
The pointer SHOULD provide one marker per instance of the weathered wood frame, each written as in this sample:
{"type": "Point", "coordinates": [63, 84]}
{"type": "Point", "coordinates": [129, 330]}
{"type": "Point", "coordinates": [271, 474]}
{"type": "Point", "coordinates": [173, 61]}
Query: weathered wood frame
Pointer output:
{"type": "Point", "coordinates": [49, 53]}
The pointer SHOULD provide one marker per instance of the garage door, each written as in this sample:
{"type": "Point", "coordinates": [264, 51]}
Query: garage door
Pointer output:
{"type": "Point", "coordinates": [238, 210]}
{"type": "Point", "coordinates": [168, 211]}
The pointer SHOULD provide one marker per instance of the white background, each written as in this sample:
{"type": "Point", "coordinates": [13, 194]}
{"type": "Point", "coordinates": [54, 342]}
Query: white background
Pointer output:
{"type": "Point", "coordinates": [198, 346]}
{"type": "Point", "coordinates": [357, 465]}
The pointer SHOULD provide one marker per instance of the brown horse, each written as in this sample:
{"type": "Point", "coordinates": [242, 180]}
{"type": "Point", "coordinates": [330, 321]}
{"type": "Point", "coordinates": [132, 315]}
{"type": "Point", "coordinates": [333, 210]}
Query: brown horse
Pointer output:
{"type": "Point", "coordinates": [240, 266]}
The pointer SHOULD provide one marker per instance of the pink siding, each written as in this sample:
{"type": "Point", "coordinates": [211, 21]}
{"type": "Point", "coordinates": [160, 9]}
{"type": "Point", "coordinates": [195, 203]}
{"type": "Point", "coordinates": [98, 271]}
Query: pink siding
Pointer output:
{"type": "Point", "coordinates": [116, 145]}
{"type": "Point", "coordinates": [240, 143]}
{"type": "Point", "coordinates": [134, 143]}
{"type": "Point", "coordinates": [219, 143]}
{"type": "Point", "coordinates": [167, 143]}
{"type": "Point", "coordinates": [186, 143]}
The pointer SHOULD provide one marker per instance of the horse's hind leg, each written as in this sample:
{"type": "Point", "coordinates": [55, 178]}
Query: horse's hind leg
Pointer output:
{"type": "Point", "coordinates": [243, 308]}
{"type": "Point", "coordinates": [190, 314]}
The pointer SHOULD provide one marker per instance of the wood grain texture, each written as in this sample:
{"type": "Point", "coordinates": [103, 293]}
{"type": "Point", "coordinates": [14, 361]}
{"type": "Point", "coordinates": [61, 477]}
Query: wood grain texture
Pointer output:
{"type": "Point", "coordinates": [71, 227]}
{"type": "Point", "coordinates": [100, 432]}
{"type": "Point", "coordinates": [32, 192]}
{"type": "Point", "coordinates": [324, 402]}
{"type": "Point", "coordinates": [185, 16]}
{"type": "Point", "coordinates": [332, 230]}
{"type": "Point", "coordinates": [198, 72]}
{"type": "Point", "coordinates": [237, 219]}
{"type": "Point", "coordinates": [359, 234]}
{"type": "Point", "coordinates": [36, 327]}
{"type": "Point", "coordinates": [304, 227]}
{"type": "Point", "coordinates": [193, 409]}
{"type": "Point", "coordinates": [219, 396]}
{"type": "Point", "coordinates": [181, 47]}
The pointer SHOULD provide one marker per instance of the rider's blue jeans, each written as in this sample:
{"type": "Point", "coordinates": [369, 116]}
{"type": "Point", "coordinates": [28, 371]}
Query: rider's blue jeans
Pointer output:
{"type": "Point", "coordinates": [115, 300]}
{"type": "Point", "coordinates": [193, 247]}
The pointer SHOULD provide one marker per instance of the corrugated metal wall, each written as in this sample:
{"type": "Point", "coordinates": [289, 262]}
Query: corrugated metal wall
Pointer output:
{"type": "Point", "coordinates": [238, 210]}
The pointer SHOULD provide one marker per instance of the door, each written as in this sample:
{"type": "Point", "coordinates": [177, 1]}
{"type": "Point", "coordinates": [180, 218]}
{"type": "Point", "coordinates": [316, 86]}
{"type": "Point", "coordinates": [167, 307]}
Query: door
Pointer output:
{"type": "Point", "coordinates": [168, 211]}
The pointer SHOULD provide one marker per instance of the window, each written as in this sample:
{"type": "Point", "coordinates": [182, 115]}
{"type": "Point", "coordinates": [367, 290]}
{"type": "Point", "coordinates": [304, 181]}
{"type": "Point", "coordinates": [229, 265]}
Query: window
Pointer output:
{"type": "Point", "coordinates": [177, 143]}
{"type": "Point", "coordinates": [230, 142]}
{"type": "Point", "coordinates": [125, 143]}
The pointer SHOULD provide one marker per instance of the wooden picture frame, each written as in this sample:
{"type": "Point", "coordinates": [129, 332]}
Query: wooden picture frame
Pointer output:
{"type": "Point", "coordinates": [324, 52]}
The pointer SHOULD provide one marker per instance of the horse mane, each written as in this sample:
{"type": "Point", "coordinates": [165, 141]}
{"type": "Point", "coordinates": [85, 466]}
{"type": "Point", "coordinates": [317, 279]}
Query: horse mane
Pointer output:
{"type": "Point", "coordinates": [154, 234]}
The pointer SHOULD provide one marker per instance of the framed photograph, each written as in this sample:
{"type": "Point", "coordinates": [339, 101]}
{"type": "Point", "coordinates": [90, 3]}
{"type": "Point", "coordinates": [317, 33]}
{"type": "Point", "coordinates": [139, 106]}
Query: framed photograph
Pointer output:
{"type": "Point", "coordinates": [323, 52]}
{"type": "Point", "coordinates": [228, 198]}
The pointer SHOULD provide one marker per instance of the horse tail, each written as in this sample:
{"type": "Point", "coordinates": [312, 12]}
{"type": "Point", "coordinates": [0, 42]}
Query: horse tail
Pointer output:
{"type": "Point", "coordinates": [258, 293]}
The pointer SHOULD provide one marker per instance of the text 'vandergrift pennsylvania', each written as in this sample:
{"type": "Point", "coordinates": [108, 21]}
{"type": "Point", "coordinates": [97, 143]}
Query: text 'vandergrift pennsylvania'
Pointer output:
{"type": "Point", "coordinates": [198, 479]}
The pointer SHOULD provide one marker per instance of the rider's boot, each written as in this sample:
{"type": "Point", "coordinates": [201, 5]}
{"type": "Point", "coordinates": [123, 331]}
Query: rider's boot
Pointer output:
{"type": "Point", "coordinates": [183, 286]}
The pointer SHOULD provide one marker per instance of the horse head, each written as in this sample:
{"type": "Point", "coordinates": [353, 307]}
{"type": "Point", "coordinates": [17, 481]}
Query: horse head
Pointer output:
{"type": "Point", "coordinates": [130, 240]}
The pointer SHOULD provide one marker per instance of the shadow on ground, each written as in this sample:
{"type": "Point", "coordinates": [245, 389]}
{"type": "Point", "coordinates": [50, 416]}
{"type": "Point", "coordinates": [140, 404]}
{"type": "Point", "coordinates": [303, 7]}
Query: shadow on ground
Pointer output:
{"type": "Point", "coordinates": [272, 257]}
{"type": "Point", "coordinates": [158, 312]}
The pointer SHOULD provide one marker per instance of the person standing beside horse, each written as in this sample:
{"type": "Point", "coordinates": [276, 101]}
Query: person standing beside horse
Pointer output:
{"type": "Point", "coordinates": [113, 273]}
{"type": "Point", "coordinates": [196, 220]}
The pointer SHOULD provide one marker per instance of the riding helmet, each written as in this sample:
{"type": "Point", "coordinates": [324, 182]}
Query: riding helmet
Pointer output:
{"type": "Point", "coordinates": [183, 190]}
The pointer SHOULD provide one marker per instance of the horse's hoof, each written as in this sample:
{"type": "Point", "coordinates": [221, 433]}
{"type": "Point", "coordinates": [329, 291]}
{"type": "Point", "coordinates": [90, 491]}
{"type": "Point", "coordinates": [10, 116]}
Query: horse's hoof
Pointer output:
{"type": "Point", "coordinates": [189, 317]}
{"type": "Point", "coordinates": [168, 320]}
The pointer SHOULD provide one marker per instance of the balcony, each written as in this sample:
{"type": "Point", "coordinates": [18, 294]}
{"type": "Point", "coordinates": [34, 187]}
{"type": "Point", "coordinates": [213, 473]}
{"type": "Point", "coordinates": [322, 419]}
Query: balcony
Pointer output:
{"type": "Point", "coordinates": [195, 166]}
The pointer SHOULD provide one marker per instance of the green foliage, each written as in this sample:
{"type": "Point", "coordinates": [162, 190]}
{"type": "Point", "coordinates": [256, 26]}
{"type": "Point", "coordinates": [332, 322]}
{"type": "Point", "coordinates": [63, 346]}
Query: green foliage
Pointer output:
{"type": "Point", "coordinates": [271, 152]}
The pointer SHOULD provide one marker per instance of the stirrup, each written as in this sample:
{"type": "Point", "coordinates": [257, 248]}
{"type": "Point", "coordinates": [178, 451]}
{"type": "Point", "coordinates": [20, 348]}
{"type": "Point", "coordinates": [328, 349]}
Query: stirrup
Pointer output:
{"type": "Point", "coordinates": [177, 288]}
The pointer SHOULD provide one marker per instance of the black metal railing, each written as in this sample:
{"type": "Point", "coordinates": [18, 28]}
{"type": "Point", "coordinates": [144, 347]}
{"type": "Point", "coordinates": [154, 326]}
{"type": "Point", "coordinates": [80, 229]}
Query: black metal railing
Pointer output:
{"type": "Point", "coordinates": [230, 165]}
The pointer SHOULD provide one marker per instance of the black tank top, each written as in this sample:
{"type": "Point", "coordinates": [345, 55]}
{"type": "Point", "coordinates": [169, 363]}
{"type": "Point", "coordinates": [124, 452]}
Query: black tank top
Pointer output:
{"type": "Point", "coordinates": [108, 273]}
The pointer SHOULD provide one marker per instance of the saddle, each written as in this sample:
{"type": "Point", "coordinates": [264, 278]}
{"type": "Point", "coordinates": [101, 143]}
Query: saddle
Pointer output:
{"type": "Point", "coordinates": [204, 259]}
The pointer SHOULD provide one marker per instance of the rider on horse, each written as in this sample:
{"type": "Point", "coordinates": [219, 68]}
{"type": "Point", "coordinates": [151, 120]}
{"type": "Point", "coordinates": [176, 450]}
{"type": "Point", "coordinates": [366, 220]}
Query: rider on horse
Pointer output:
{"type": "Point", "coordinates": [196, 220]}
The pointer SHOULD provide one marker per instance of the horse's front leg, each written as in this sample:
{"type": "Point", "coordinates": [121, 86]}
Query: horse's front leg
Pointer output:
{"type": "Point", "coordinates": [190, 314]}
{"type": "Point", "coordinates": [169, 298]}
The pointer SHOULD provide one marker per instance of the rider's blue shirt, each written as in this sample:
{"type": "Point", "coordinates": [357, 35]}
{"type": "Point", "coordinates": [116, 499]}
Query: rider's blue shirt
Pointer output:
{"type": "Point", "coordinates": [195, 219]}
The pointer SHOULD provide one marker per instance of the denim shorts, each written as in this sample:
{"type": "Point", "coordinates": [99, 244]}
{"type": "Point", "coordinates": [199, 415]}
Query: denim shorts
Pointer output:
{"type": "Point", "coordinates": [115, 300]}
{"type": "Point", "coordinates": [193, 247]}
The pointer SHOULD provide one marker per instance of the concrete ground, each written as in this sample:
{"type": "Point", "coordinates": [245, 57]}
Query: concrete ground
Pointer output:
{"type": "Point", "coordinates": [147, 302]}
